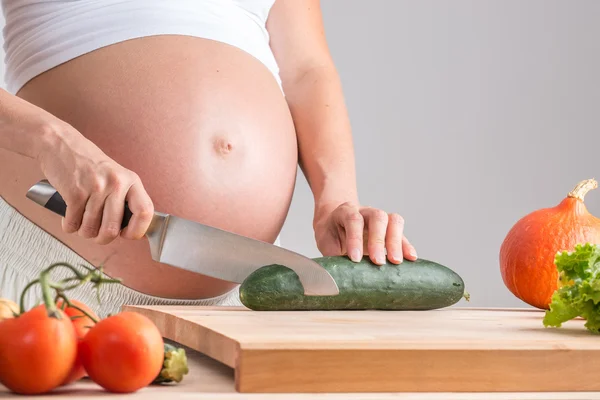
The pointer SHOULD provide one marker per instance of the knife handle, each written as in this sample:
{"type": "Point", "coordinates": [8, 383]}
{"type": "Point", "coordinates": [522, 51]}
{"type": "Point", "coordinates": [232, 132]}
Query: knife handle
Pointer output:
{"type": "Point", "coordinates": [44, 194]}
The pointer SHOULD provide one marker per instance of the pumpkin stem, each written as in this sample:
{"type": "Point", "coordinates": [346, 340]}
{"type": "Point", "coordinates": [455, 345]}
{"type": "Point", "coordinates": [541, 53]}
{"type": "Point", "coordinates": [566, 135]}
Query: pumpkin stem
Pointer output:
{"type": "Point", "coordinates": [582, 188]}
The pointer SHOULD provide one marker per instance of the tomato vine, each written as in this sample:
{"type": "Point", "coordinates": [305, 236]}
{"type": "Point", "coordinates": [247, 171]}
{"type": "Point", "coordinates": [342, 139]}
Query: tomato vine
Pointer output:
{"type": "Point", "coordinates": [94, 276]}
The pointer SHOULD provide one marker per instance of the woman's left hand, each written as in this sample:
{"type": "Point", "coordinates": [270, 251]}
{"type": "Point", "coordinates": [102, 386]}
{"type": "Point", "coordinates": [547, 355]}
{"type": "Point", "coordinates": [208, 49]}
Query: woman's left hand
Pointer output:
{"type": "Point", "coordinates": [355, 230]}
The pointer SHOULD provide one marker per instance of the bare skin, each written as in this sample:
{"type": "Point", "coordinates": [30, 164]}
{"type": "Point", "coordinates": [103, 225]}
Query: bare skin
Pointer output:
{"type": "Point", "coordinates": [156, 122]}
{"type": "Point", "coordinates": [178, 135]}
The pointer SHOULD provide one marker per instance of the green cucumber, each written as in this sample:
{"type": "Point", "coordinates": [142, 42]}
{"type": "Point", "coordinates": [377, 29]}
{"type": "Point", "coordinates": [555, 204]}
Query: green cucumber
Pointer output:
{"type": "Point", "coordinates": [411, 285]}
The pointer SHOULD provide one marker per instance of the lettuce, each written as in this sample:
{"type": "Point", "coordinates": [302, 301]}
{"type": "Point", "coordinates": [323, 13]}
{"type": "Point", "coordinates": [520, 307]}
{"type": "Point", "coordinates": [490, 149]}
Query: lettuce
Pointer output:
{"type": "Point", "coordinates": [578, 294]}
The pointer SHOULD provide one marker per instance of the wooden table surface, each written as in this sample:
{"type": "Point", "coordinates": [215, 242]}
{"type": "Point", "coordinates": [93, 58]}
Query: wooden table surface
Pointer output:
{"type": "Point", "coordinates": [209, 379]}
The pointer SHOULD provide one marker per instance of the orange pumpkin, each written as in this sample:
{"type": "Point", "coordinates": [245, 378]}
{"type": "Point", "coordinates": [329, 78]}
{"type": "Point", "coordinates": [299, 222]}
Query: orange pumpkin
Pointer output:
{"type": "Point", "coordinates": [527, 253]}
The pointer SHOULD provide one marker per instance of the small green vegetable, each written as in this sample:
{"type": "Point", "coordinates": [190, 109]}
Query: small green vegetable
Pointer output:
{"type": "Point", "coordinates": [174, 366]}
{"type": "Point", "coordinates": [579, 293]}
{"type": "Point", "coordinates": [412, 285]}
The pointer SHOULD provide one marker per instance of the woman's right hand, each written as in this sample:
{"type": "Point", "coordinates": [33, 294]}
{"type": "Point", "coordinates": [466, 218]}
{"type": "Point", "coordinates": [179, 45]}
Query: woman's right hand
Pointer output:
{"type": "Point", "coordinates": [94, 187]}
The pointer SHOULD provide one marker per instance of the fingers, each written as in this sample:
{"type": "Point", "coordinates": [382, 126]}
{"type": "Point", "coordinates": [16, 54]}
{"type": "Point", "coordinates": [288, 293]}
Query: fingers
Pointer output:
{"type": "Point", "coordinates": [92, 216]}
{"type": "Point", "coordinates": [96, 211]}
{"type": "Point", "coordinates": [409, 250]}
{"type": "Point", "coordinates": [395, 238]}
{"type": "Point", "coordinates": [76, 201]}
{"type": "Point", "coordinates": [374, 232]}
{"type": "Point", "coordinates": [377, 223]}
{"type": "Point", "coordinates": [142, 209]}
{"type": "Point", "coordinates": [351, 220]}
{"type": "Point", "coordinates": [112, 216]}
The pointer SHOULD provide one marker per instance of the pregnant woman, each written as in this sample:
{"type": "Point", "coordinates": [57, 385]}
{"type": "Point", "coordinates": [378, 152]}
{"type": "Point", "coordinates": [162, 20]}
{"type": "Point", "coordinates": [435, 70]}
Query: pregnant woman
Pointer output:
{"type": "Point", "coordinates": [198, 108]}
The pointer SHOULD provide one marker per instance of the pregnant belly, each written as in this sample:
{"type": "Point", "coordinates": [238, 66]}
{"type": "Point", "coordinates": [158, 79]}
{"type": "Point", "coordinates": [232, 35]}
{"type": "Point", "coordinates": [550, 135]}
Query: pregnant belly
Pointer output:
{"type": "Point", "coordinates": [204, 124]}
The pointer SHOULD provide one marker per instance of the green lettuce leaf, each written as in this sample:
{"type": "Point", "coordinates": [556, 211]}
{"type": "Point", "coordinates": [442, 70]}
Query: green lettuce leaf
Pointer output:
{"type": "Point", "coordinates": [579, 291]}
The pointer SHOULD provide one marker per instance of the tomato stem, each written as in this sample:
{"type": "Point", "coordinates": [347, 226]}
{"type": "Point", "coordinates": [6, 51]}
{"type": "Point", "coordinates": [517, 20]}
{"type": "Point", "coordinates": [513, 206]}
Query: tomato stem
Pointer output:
{"type": "Point", "coordinates": [71, 305]}
{"type": "Point", "coordinates": [93, 276]}
{"type": "Point", "coordinates": [22, 299]}
{"type": "Point", "coordinates": [47, 295]}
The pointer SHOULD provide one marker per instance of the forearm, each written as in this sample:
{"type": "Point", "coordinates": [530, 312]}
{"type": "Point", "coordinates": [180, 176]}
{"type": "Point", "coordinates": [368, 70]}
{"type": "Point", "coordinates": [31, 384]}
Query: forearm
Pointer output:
{"type": "Point", "coordinates": [25, 128]}
{"type": "Point", "coordinates": [324, 136]}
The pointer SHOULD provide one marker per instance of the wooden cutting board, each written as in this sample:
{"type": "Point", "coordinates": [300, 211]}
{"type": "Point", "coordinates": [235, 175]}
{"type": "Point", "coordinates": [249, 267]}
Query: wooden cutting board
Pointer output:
{"type": "Point", "coordinates": [448, 350]}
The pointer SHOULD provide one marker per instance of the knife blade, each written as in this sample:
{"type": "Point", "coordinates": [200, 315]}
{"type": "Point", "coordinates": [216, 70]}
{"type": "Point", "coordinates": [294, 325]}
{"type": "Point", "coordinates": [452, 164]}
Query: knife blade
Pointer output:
{"type": "Point", "coordinates": [207, 250]}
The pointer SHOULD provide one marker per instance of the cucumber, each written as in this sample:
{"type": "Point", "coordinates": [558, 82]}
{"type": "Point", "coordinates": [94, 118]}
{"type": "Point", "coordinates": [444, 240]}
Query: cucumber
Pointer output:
{"type": "Point", "coordinates": [412, 285]}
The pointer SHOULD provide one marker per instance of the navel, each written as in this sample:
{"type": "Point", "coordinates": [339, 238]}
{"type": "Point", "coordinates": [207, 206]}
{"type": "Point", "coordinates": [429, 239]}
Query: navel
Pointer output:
{"type": "Point", "coordinates": [222, 146]}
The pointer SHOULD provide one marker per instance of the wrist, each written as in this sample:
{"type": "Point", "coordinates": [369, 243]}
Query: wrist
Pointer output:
{"type": "Point", "coordinates": [51, 136]}
{"type": "Point", "coordinates": [332, 189]}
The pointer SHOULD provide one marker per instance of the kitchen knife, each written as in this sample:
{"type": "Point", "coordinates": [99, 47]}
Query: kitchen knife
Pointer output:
{"type": "Point", "coordinates": [207, 250]}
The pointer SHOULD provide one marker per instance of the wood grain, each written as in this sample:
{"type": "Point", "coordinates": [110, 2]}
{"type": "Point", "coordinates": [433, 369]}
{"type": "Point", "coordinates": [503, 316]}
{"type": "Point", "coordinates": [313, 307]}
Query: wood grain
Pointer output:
{"type": "Point", "coordinates": [449, 350]}
{"type": "Point", "coordinates": [209, 379]}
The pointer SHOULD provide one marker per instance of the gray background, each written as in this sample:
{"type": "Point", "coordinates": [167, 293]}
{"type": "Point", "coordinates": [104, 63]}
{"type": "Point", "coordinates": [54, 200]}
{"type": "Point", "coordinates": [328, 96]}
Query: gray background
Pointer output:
{"type": "Point", "coordinates": [466, 116]}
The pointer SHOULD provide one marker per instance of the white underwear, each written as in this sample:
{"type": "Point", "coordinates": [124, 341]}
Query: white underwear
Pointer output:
{"type": "Point", "coordinates": [41, 34]}
{"type": "Point", "coordinates": [26, 249]}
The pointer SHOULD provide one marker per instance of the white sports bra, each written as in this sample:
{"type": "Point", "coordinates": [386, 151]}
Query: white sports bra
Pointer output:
{"type": "Point", "coordinates": [41, 34]}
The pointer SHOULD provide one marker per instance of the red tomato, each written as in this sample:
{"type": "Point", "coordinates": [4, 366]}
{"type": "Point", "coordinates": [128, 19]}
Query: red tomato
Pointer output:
{"type": "Point", "coordinates": [123, 353]}
{"type": "Point", "coordinates": [36, 351]}
{"type": "Point", "coordinates": [82, 325]}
